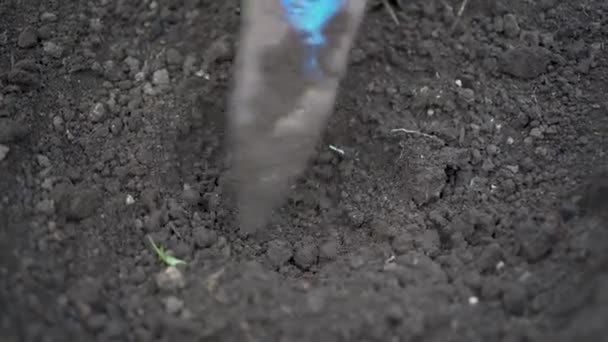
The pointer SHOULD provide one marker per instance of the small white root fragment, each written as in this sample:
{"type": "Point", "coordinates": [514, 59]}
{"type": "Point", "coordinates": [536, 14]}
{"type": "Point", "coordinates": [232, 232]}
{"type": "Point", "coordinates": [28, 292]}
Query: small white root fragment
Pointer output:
{"type": "Point", "coordinates": [403, 130]}
{"type": "Point", "coordinates": [337, 150]}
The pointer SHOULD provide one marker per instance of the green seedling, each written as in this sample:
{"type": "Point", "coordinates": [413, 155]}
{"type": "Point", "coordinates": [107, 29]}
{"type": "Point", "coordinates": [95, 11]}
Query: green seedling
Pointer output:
{"type": "Point", "coordinates": [164, 255]}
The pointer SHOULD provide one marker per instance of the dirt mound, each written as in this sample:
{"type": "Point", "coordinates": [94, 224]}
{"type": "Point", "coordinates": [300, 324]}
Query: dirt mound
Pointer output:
{"type": "Point", "coordinates": [459, 192]}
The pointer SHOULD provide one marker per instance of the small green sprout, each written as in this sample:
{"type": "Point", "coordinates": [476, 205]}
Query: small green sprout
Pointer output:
{"type": "Point", "coordinates": [164, 255]}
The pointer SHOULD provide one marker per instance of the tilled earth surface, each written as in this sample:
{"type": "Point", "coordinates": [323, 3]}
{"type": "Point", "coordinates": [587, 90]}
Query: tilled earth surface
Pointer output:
{"type": "Point", "coordinates": [459, 193]}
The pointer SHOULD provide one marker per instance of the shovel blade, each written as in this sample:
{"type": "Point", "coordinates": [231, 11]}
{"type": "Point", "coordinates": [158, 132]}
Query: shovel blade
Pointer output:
{"type": "Point", "coordinates": [292, 55]}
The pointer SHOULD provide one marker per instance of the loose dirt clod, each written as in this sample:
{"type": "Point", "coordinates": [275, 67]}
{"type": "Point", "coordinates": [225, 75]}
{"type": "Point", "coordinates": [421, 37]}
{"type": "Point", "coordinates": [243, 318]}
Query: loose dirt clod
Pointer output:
{"type": "Point", "coordinates": [54, 50]}
{"type": "Point", "coordinates": [98, 112]}
{"type": "Point", "coordinates": [27, 38]}
{"type": "Point", "coordinates": [279, 252]}
{"type": "Point", "coordinates": [4, 150]}
{"type": "Point", "coordinates": [160, 78]}
{"type": "Point", "coordinates": [173, 305]}
{"type": "Point", "coordinates": [204, 237]}
{"type": "Point", "coordinates": [170, 279]}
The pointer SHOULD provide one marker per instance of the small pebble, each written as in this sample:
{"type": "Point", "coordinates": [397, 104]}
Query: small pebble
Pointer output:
{"type": "Point", "coordinates": [48, 17]}
{"type": "Point", "coordinates": [203, 237]}
{"type": "Point", "coordinates": [98, 112]}
{"type": "Point", "coordinates": [500, 265]}
{"type": "Point", "coordinates": [129, 200]}
{"type": "Point", "coordinates": [4, 150]}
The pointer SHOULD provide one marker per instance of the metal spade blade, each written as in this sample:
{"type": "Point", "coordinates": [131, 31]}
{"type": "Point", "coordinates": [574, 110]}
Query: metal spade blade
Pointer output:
{"type": "Point", "coordinates": [292, 55]}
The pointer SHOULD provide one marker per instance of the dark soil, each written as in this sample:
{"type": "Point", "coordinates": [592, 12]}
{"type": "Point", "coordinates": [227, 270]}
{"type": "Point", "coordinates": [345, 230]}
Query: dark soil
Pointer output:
{"type": "Point", "coordinates": [489, 226]}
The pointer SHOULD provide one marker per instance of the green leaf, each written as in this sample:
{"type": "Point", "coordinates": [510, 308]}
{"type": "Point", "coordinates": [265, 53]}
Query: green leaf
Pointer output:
{"type": "Point", "coordinates": [172, 261]}
{"type": "Point", "coordinates": [164, 256]}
